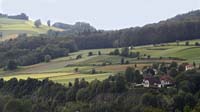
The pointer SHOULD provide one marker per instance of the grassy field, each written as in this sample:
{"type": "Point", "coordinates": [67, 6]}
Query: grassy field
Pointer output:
{"type": "Point", "coordinates": [62, 70]}
{"type": "Point", "coordinates": [191, 42]}
{"type": "Point", "coordinates": [63, 78]}
{"type": "Point", "coordinates": [12, 27]}
{"type": "Point", "coordinates": [190, 53]}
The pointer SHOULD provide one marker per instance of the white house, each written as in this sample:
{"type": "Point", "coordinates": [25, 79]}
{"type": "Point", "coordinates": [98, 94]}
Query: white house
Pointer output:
{"type": "Point", "coordinates": [166, 80]}
{"type": "Point", "coordinates": [189, 67]}
{"type": "Point", "coordinates": [151, 81]}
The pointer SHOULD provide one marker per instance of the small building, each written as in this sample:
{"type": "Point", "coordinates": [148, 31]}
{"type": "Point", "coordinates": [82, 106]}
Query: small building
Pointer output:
{"type": "Point", "coordinates": [150, 81]}
{"type": "Point", "coordinates": [189, 67]}
{"type": "Point", "coordinates": [166, 81]}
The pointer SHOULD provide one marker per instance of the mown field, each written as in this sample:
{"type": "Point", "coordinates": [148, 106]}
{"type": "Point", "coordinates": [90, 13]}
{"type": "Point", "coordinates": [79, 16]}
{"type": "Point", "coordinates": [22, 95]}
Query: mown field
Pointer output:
{"type": "Point", "coordinates": [190, 53]}
{"type": "Point", "coordinates": [12, 27]}
{"type": "Point", "coordinates": [62, 70]}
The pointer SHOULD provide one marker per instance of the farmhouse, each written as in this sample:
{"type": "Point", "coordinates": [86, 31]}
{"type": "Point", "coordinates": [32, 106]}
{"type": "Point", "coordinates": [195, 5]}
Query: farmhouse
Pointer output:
{"type": "Point", "coordinates": [163, 81]}
{"type": "Point", "coordinates": [166, 80]}
{"type": "Point", "coordinates": [150, 81]}
{"type": "Point", "coordinates": [189, 67]}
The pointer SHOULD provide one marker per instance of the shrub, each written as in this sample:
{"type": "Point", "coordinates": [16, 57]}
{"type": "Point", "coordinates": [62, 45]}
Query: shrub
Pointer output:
{"type": "Point", "coordinates": [99, 52]}
{"type": "Point", "coordinates": [115, 52]}
{"type": "Point", "coordinates": [187, 43]}
{"type": "Point", "coordinates": [79, 56]}
{"type": "Point", "coordinates": [47, 58]}
{"type": "Point", "coordinates": [196, 43]}
{"type": "Point", "coordinates": [76, 69]}
{"type": "Point", "coordinates": [90, 53]}
{"type": "Point", "coordinates": [149, 56]}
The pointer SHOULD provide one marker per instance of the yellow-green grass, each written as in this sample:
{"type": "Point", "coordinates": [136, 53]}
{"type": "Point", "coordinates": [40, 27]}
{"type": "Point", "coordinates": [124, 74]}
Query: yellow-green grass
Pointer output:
{"type": "Point", "coordinates": [190, 53]}
{"type": "Point", "coordinates": [36, 76]}
{"type": "Point", "coordinates": [158, 51]}
{"type": "Point", "coordinates": [63, 78]}
{"type": "Point", "coordinates": [13, 27]}
{"type": "Point", "coordinates": [1, 71]}
{"type": "Point", "coordinates": [87, 77]}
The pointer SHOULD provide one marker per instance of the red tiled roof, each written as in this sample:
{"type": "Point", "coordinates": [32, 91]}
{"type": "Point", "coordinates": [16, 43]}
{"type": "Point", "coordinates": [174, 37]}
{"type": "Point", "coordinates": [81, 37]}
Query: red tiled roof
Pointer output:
{"type": "Point", "coordinates": [152, 80]}
{"type": "Point", "coordinates": [189, 65]}
{"type": "Point", "coordinates": [166, 78]}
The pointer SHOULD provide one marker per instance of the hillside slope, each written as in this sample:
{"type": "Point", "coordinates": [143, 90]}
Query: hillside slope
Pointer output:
{"type": "Point", "coordinates": [181, 27]}
{"type": "Point", "coordinates": [62, 70]}
{"type": "Point", "coordinates": [10, 28]}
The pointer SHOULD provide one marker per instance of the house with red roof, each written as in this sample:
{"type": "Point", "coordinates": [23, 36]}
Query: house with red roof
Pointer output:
{"type": "Point", "coordinates": [163, 81]}
{"type": "Point", "coordinates": [150, 81]}
{"type": "Point", "coordinates": [166, 80]}
{"type": "Point", "coordinates": [189, 67]}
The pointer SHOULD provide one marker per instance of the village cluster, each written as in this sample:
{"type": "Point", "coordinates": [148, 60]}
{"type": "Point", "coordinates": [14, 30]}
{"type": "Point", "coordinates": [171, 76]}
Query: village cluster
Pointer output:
{"type": "Point", "coordinates": [152, 79]}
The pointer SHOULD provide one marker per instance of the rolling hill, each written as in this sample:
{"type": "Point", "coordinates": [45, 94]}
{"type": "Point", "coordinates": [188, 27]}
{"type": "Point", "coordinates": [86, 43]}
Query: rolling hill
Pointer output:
{"type": "Point", "coordinates": [10, 28]}
{"type": "Point", "coordinates": [182, 27]}
{"type": "Point", "coordinates": [61, 70]}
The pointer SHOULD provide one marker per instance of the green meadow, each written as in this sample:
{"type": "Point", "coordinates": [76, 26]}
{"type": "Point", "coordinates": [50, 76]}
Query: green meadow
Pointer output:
{"type": "Point", "coordinates": [12, 27]}
{"type": "Point", "coordinates": [62, 70]}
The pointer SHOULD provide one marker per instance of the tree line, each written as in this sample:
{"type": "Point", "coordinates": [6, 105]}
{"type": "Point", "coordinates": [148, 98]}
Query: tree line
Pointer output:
{"type": "Point", "coordinates": [181, 27]}
{"type": "Point", "coordinates": [21, 16]}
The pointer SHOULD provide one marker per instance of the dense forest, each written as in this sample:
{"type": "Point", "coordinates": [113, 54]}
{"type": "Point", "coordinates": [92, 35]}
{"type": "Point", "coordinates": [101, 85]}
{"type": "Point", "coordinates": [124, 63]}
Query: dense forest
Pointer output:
{"type": "Point", "coordinates": [115, 94]}
{"type": "Point", "coordinates": [181, 27]}
{"type": "Point", "coordinates": [31, 50]}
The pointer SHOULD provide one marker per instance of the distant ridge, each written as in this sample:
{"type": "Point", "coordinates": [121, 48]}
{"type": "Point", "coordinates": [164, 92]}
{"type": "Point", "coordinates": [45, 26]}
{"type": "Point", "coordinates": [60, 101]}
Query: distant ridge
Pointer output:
{"type": "Point", "coordinates": [78, 27]}
{"type": "Point", "coordinates": [21, 16]}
